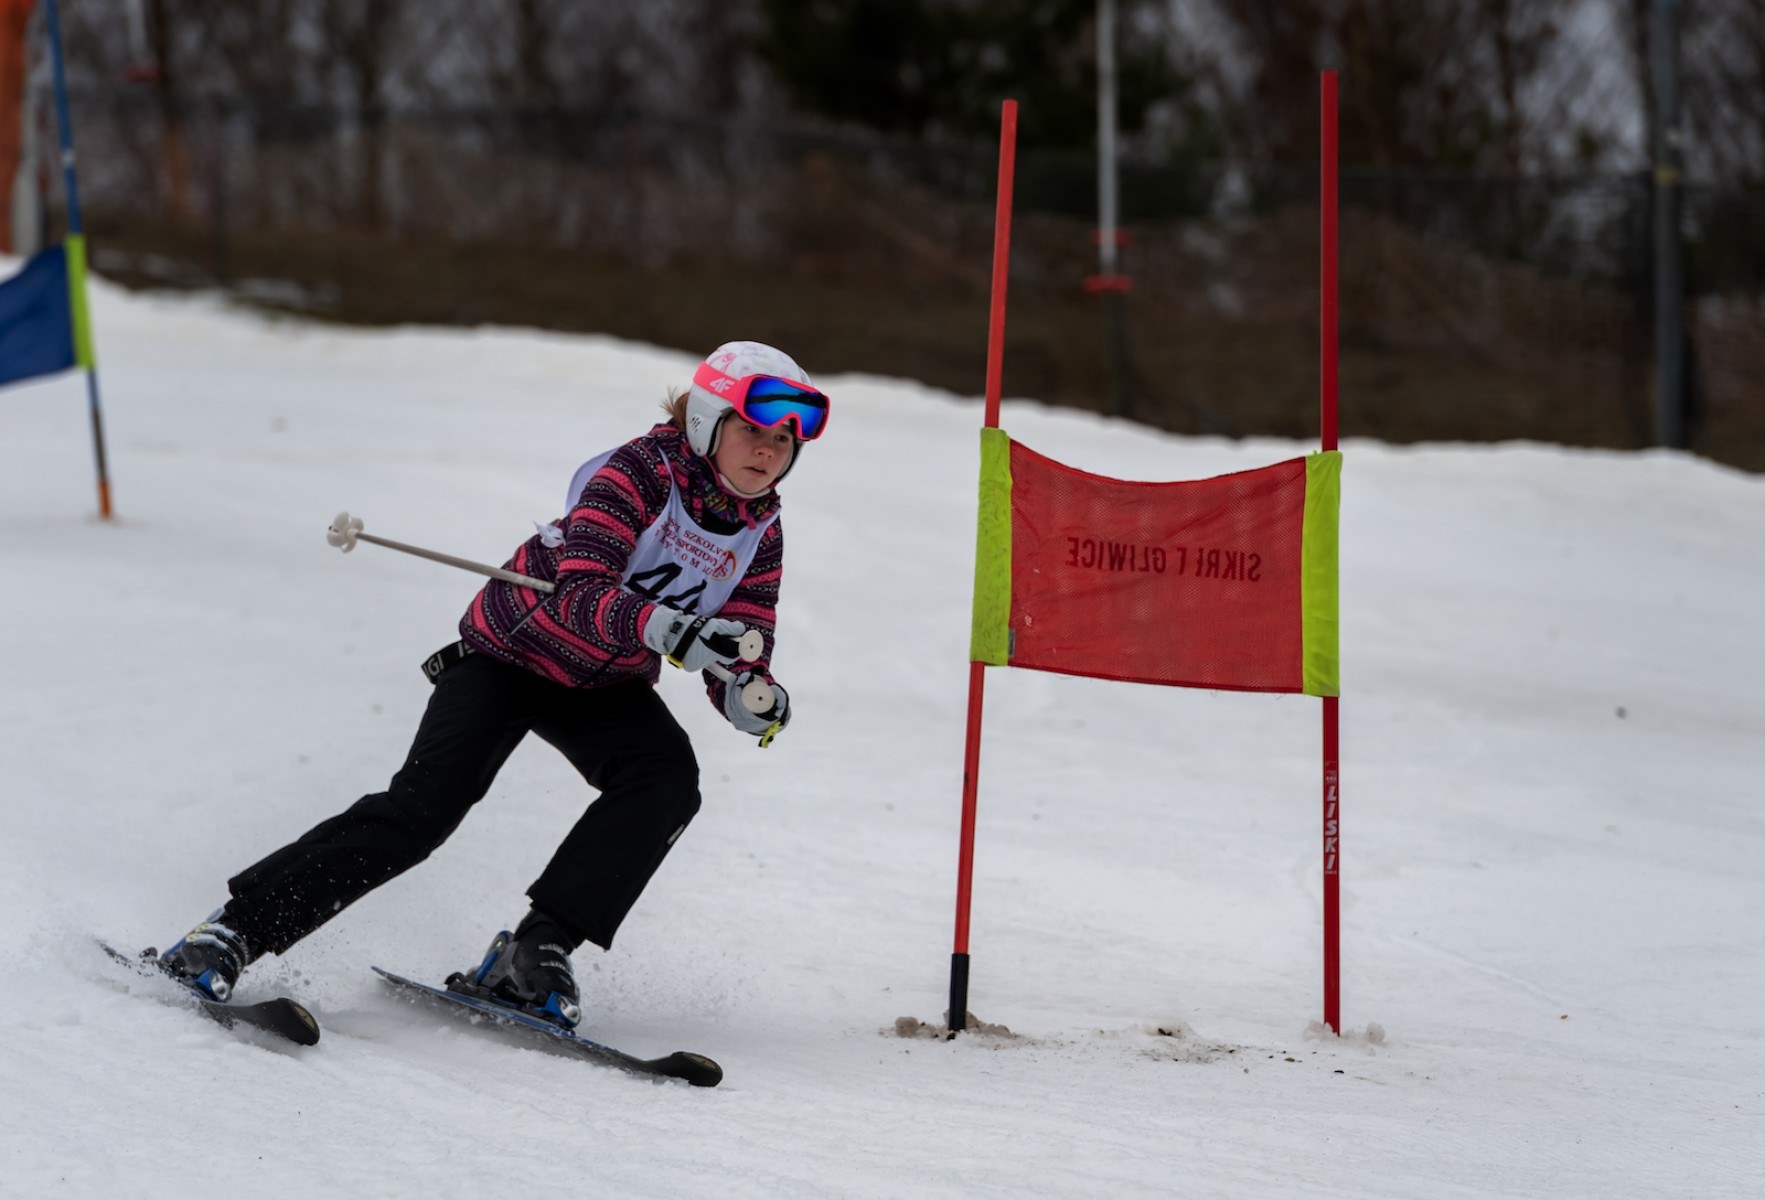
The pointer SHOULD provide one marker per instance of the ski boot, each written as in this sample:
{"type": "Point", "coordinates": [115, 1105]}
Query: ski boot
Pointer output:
{"type": "Point", "coordinates": [208, 958]}
{"type": "Point", "coordinates": [526, 970]}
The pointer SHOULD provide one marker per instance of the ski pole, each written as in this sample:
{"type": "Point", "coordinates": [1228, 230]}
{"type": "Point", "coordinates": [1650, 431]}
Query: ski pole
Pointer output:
{"type": "Point", "coordinates": [345, 531]}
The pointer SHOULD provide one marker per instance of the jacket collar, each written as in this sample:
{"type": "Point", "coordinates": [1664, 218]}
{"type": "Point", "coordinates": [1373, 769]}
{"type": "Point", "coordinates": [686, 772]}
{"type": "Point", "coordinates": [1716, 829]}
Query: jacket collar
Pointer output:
{"type": "Point", "coordinates": [700, 488]}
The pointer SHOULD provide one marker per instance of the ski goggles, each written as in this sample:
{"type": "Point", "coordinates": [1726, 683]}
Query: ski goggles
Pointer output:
{"type": "Point", "coordinates": [767, 400]}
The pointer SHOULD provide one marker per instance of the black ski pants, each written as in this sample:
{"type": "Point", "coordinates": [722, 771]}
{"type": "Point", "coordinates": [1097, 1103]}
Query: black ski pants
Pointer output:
{"type": "Point", "coordinates": [622, 739]}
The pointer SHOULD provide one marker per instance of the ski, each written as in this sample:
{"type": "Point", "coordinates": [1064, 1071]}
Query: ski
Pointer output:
{"type": "Point", "coordinates": [281, 1016]}
{"type": "Point", "coordinates": [695, 1069]}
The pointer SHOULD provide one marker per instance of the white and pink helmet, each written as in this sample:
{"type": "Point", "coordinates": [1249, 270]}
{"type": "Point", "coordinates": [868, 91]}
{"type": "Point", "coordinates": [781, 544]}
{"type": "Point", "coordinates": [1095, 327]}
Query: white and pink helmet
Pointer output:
{"type": "Point", "coordinates": [762, 383]}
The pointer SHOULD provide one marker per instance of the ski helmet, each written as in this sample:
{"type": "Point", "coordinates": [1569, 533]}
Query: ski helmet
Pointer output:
{"type": "Point", "coordinates": [705, 409]}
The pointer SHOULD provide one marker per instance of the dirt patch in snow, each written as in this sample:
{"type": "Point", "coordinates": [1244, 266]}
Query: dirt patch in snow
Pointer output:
{"type": "Point", "coordinates": [913, 1027]}
{"type": "Point", "coordinates": [1171, 1041]}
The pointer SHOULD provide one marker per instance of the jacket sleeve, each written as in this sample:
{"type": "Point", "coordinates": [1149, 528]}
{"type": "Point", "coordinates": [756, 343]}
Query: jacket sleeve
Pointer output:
{"type": "Point", "coordinates": [600, 534]}
{"type": "Point", "coordinates": [755, 604]}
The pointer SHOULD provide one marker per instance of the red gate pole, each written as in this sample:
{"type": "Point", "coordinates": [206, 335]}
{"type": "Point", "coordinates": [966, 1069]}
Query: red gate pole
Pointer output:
{"type": "Point", "coordinates": [1328, 373]}
{"type": "Point", "coordinates": [971, 753]}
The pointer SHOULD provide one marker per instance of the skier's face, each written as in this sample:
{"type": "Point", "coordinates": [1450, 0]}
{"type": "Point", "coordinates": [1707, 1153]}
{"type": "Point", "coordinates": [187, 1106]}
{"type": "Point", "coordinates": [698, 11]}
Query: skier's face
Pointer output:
{"type": "Point", "coordinates": [750, 457]}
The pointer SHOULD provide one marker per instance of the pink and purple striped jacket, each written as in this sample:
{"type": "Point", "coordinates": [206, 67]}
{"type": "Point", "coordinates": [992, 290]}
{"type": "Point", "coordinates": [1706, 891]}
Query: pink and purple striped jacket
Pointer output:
{"type": "Point", "coordinates": [588, 631]}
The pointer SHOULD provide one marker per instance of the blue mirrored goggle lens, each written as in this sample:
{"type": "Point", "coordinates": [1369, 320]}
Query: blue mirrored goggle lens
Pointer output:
{"type": "Point", "coordinates": [767, 387]}
{"type": "Point", "coordinates": [770, 402]}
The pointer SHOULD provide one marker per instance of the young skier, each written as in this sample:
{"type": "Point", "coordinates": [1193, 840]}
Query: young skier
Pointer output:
{"type": "Point", "coordinates": [671, 548]}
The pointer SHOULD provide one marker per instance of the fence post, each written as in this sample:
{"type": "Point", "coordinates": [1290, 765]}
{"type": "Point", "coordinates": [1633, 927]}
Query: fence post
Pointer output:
{"type": "Point", "coordinates": [1108, 279]}
{"type": "Point", "coordinates": [1670, 428]}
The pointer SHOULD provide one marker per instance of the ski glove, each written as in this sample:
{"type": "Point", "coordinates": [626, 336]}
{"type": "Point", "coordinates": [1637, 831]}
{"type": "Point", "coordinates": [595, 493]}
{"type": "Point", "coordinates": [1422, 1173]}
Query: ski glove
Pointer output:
{"type": "Point", "coordinates": [692, 642]}
{"type": "Point", "coordinates": [758, 724]}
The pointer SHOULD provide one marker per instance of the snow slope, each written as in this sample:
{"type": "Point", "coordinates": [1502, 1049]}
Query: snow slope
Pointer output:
{"type": "Point", "coordinates": [1553, 745]}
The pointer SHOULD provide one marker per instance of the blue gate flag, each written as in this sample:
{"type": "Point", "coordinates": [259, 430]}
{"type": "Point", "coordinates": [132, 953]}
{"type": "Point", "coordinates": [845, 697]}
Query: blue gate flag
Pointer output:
{"type": "Point", "coordinates": [36, 319]}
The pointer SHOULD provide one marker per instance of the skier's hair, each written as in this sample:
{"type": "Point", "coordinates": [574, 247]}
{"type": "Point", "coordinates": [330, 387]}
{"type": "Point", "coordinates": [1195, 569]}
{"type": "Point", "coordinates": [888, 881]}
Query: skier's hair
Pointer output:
{"type": "Point", "coordinates": [675, 407]}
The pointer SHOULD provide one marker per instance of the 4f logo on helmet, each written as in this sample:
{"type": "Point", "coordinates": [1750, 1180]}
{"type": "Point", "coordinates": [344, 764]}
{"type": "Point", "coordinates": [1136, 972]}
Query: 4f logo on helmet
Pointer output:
{"type": "Point", "coordinates": [721, 385]}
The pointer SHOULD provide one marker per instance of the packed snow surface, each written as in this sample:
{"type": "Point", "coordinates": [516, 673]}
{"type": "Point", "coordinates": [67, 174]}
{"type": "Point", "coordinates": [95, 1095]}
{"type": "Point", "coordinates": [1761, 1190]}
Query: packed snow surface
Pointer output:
{"type": "Point", "coordinates": [1553, 746]}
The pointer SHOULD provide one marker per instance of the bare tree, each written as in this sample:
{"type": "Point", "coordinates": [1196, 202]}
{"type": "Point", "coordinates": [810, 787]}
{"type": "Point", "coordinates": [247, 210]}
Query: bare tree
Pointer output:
{"type": "Point", "coordinates": [261, 51]}
{"type": "Point", "coordinates": [1723, 89]}
{"type": "Point", "coordinates": [1721, 84]}
{"type": "Point", "coordinates": [1436, 84]}
{"type": "Point", "coordinates": [357, 38]}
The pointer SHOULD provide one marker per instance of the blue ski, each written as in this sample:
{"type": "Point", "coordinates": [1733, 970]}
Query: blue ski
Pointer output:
{"type": "Point", "coordinates": [696, 1069]}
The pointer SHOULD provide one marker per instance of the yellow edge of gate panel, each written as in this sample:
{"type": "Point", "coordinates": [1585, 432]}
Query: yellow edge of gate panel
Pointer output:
{"type": "Point", "coordinates": [990, 635]}
{"type": "Point", "coordinates": [1318, 573]}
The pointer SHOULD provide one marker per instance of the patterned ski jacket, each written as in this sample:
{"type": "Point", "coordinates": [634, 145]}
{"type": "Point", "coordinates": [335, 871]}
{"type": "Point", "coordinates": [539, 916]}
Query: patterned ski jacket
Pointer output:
{"type": "Point", "coordinates": [588, 631]}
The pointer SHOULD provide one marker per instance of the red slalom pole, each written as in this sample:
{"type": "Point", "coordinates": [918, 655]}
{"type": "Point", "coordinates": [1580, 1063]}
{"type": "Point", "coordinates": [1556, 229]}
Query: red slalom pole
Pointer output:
{"type": "Point", "coordinates": [1328, 381]}
{"type": "Point", "coordinates": [971, 767]}
{"type": "Point", "coordinates": [971, 752]}
{"type": "Point", "coordinates": [1001, 261]}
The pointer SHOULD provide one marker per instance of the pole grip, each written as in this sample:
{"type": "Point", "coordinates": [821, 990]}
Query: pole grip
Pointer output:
{"type": "Point", "coordinates": [757, 694]}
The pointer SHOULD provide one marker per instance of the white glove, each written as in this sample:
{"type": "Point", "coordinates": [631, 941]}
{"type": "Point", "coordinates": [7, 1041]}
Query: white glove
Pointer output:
{"type": "Point", "coordinates": [692, 642]}
{"type": "Point", "coordinates": [751, 722]}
